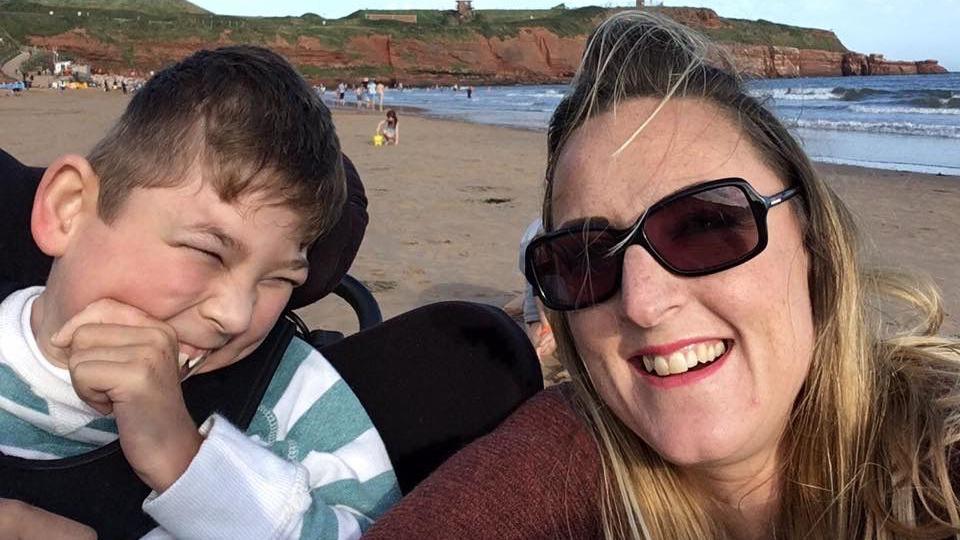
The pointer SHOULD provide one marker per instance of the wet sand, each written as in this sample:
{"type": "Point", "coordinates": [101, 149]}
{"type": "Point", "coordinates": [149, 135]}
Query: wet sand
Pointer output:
{"type": "Point", "coordinates": [448, 205]}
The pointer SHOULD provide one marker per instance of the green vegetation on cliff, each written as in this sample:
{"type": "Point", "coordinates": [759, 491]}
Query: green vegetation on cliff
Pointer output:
{"type": "Point", "coordinates": [769, 33]}
{"type": "Point", "coordinates": [133, 20]}
{"type": "Point", "coordinates": [135, 30]}
{"type": "Point", "coordinates": [152, 7]}
{"type": "Point", "coordinates": [9, 47]}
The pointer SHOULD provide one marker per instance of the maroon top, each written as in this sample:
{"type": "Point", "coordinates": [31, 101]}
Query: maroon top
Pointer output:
{"type": "Point", "coordinates": [537, 476]}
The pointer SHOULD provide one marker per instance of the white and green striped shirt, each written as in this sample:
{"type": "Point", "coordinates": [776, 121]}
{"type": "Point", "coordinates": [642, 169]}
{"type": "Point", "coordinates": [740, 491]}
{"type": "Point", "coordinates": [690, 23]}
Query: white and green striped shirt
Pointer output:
{"type": "Point", "coordinates": [311, 464]}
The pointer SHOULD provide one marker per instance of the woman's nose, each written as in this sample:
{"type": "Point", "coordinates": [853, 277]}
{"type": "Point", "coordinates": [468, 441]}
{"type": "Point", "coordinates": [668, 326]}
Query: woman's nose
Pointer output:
{"type": "Point", "coordinates": [649, 294]}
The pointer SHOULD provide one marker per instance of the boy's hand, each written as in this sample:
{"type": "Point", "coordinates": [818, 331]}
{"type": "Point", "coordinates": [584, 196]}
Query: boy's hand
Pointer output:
{"type": "Point", "coordinates": [123, 361]}
{"type": "Point", "coordinates": [21, 521]}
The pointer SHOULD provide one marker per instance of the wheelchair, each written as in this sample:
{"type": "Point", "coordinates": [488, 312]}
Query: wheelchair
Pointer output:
{"type": "Point", "coordinates": [432, 380]}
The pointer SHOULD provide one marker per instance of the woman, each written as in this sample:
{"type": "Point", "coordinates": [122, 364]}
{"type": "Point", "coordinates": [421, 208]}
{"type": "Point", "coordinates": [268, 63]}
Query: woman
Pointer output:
{"type": "Point", "coordinates": [389, 129]}
{"type": "Point", "coordinates": [730, 374]}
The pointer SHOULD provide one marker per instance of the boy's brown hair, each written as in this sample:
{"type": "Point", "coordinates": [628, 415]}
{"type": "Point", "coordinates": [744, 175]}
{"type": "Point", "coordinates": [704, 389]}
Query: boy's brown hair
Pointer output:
{"type": "Point", "coordinates": [243, 115]}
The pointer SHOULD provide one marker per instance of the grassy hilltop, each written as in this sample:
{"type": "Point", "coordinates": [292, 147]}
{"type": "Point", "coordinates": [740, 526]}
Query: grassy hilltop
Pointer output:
{"type": "Point", "coordinates": [154, 7]}
{"type": "Point", "coordinates": [145, 34]}
{"type": "Point", "coordinates": [179, 19]}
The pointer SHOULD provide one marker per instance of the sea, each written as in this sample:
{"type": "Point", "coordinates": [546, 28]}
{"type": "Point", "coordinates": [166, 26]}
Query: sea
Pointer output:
{"type": "Point", "coordinates": [907, 122]}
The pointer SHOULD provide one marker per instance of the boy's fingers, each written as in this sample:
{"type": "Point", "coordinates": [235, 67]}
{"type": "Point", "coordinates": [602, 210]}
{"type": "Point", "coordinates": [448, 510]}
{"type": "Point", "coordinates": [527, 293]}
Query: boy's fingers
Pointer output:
{"type": "Point", "coordinates": [91, 336]}
{"type": "Point", "coordinates": [106, 311]}
{"type": "Point", "coordinates": [88, 379]}
{"type": "Point", "coordinates": [23, 521]}
{"type": "Point", "coordinates": [138, 355]}
{"type": "Point", "coordinates": [100, 378]}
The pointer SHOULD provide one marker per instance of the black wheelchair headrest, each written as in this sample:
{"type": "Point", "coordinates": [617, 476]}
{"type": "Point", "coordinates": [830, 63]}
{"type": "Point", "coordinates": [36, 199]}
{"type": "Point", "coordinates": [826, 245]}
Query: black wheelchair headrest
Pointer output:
{"type": "Point", "coordinates": [21, 261]}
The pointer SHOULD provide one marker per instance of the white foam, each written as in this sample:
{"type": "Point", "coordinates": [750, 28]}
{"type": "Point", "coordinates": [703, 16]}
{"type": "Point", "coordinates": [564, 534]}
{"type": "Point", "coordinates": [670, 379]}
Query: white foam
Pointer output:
{"type": "Point", "coordinates": [796, 94]}
{"type": "Point", "coordinates": [896, 128]}
{"type": "Point", "coordinates": [876, 109]}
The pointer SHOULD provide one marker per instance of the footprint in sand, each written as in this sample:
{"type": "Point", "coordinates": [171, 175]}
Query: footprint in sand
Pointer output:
{"type": "Point", "coordinates": [376, 286]}
{"type": "Point", "coordinates": [476, 189]}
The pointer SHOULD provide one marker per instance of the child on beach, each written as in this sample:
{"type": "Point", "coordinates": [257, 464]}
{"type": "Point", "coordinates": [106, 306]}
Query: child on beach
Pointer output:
{"type": "Point", "coordinates": [177, 244]}
{"type": "Point", "coordinates": [389, 128]}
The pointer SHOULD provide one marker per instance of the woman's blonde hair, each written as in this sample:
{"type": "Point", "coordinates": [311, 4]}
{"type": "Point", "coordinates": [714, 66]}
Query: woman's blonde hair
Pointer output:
{"type": "Point", "coordinates": [868, 452]}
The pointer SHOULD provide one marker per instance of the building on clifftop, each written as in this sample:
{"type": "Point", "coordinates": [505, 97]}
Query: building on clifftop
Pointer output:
{"type": "Point", "coordinates": [464, 10]}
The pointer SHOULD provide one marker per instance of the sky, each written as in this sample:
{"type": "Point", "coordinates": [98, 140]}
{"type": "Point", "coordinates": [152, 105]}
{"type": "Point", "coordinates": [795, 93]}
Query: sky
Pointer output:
{"type": "Point", "coordinates": [901, 30]}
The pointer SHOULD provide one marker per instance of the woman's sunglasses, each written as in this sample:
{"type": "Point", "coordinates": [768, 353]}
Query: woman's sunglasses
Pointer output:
{"type": "Point", "coordinates": [700, 230]}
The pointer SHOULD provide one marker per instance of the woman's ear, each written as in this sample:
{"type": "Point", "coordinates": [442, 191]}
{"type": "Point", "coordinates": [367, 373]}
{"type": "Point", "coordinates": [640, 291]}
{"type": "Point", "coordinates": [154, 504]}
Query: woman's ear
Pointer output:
{"type": "Point", "coordinates": [67, 194]}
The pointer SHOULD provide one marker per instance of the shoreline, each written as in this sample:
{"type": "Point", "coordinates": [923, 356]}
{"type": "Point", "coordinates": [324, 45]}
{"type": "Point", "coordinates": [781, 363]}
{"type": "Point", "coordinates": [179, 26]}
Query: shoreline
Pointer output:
{"type": "Point", "coordinates": [448, 205]}
{"type": "Point", "coordinates": [467, 80]}
{"type": "Point", "coordinates": [895, 147]}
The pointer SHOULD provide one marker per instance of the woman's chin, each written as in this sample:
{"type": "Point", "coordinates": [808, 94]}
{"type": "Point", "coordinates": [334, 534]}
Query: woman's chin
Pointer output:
{"type": "Point", "coordinates": [687, 441]}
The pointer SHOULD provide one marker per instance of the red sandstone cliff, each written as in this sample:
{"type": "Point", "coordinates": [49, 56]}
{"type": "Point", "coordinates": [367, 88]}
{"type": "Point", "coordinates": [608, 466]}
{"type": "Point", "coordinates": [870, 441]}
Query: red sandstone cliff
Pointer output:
{"type": "Point", "coordinates": [534, 55]}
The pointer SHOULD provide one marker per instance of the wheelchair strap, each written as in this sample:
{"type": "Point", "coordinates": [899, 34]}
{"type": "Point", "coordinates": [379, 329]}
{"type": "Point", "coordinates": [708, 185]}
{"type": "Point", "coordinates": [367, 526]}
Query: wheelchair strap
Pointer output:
{"type": "Point", "coordinates": [100, 489]}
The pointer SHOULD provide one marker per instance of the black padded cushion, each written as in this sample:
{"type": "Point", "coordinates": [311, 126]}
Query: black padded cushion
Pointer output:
{"type": "Point", "coordinates": [436, 378]}
{"type": "Point", "coordinates": [22, 262]}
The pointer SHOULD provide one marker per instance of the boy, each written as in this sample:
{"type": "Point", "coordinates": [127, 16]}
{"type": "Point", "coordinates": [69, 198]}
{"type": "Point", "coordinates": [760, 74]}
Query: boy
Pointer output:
{"type": "Point", "coordinates": [177, 245]}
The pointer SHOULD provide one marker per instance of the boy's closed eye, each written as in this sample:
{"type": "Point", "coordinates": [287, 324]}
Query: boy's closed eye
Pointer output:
{"type": "Point", "coordinates": [208, 253]}
{"type": "Point", "coordinates": [296, 279]}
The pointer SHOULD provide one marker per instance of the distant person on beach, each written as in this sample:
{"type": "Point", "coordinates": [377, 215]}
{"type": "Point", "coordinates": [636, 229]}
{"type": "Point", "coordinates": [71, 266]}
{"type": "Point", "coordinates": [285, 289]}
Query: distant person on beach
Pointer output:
{"type": "Point", "coordinates": [358, 93]}
{"type": "Point", "coordinates": [341, 94]}
{"type": "Point", "coordinates": [469, 92]}
{"type": "Point", "coordinates": [738, 372]}
{"type": "Point", "coordinates": [177, 245]}
{"type": "Point", "coordinates": [371, 93]}
{"type": "Point", "coordinates": [389, 128]}
{"type": "Point", "coordinates": [380, 90]}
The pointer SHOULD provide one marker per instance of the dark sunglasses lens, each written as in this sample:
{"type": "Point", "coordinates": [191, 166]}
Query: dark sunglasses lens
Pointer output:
{"type": "Point", "coordinates": [576, 269]}
{"type": "Point", "coordinates": [705, 231]}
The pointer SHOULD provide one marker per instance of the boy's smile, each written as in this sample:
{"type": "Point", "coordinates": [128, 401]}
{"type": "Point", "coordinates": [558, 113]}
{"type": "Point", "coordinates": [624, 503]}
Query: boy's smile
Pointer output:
{"type": "Point", "coordinates": [218, 273]}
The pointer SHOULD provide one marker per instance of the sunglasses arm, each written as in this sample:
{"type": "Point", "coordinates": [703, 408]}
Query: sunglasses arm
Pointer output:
{"type": "Point", "coordinates": [778, 198]}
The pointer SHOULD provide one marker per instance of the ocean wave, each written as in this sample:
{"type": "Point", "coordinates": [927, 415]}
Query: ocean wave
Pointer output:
{"type": "Point", "coordinates": [798, 94]}
{"type": "Point", "coordinates": [551, 94]}
{"type": "Point", "coordinates": [877, 109]}
{"type": "Point", "coordinates": [895, 128]}
{"type": "Point", "coordinates": [916, 97]}
{"type": "Point", "coordinates": [953, 102]}
{"type": "Point", "coordinates": [858, 94]}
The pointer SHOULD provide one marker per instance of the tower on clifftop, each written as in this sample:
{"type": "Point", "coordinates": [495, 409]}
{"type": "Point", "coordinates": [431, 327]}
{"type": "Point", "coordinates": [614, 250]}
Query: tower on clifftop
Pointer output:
{"type": "Point", "coordinates": [464, 10]}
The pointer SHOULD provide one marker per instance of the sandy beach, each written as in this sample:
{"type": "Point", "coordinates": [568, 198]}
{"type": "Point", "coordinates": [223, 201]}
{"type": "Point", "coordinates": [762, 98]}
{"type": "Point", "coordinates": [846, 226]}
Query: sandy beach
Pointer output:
{"type": "Point", "coordinates": [448, 205]}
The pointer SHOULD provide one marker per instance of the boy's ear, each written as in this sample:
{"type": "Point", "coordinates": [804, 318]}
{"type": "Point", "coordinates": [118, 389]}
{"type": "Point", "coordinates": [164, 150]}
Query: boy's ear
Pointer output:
{"type": "Point", "coordinates": [67, 194]}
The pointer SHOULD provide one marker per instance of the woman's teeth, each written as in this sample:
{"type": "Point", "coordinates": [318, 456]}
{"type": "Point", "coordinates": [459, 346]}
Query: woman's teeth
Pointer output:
{"type": "Point", "coordinates": [684, 359]}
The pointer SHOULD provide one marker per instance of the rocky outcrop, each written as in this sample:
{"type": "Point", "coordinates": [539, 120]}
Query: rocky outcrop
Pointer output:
{"type": "Point", "coordinates": [766, 60]}
{"type": "Point", "coordinates": [929, 67]}
{"type": "Point", "coordinates": [876, 64]}
{"type": "Point", "coordinates": [778, 62]}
